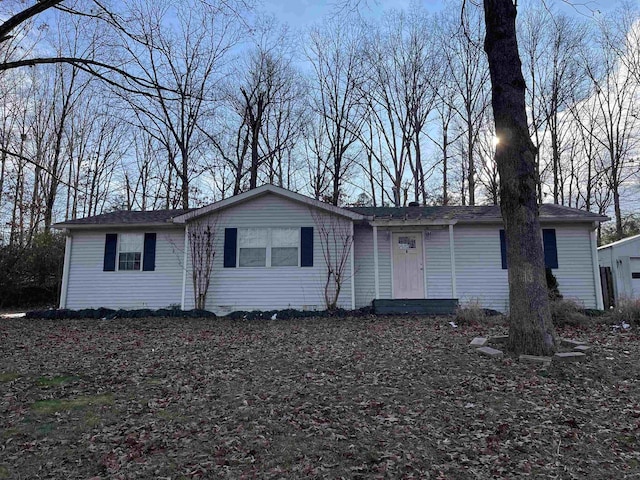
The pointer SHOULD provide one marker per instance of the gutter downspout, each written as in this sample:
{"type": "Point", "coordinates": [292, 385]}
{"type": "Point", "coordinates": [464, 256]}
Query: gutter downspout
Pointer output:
{"type": "Point", "coordinates": [376, 270]}
{"type": "Point", "coordinates": [353, 273]}
{"type": "Point", "coordinates": [65, 269]}
{"type": "Point", "coordinates": [596, 267]}
{"type": "Point", "coordinates": [454, 287]}
{"type": "Point", "coordinates": [184, 265]}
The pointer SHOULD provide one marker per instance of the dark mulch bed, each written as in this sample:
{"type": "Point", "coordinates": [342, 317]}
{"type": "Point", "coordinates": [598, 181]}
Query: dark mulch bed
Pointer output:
{"type": "Point", "coordinates": [307, 398]}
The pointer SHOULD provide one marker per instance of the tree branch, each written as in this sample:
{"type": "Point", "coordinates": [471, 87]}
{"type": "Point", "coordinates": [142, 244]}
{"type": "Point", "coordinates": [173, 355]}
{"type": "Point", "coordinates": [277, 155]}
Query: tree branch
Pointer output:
{"type": "Point", "coordinates": [19, 18]}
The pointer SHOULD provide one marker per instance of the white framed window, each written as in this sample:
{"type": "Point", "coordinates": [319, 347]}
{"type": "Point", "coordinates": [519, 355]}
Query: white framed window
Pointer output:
{"type": "Point", "coordinates": [252, 247]}
{"type": "Point", "coordinates": [285, 243]}
{"type": "Point", "coordinates": [130, 246]}
{"type": "Point", "coordinates": [268, 247]}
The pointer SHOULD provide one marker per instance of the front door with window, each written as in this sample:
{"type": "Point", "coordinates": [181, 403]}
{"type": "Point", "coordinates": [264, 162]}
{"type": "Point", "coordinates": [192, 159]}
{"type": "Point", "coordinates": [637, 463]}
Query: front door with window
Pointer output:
{"type": "Point", "coordinates": [408, 266]}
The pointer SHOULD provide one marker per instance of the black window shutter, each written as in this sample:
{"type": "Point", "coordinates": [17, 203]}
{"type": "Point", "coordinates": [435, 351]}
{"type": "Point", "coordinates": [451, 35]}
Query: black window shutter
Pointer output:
{"type": "Point", "coordinates": [503, 249]}
{"type": "Point", "coordinates": [149, 257]}
{"type": "Point", "coordinates": [306, 247]}
{"type": "Point", "coordinates": [110, 246]}
{"type": "Point", "coordinates": [550, 247]}
{"type": "Point", "coordinates": [230, 244]}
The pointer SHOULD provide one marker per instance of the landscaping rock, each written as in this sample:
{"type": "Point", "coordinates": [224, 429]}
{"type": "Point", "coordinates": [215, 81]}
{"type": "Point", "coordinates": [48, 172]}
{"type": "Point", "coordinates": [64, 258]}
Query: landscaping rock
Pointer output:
{"type": "Point", "coordinates": [582, 348]}
{"type": "Point", "coordinates": [479, 342]}
{"type": "Point", "coordinates": [567, 342]}
{"type": "Point", "coordinates": [535, 359]}
{"type": "Point", "coordinates": [491, 352]}
{"type": "Point", "coordinates": [569, 356]}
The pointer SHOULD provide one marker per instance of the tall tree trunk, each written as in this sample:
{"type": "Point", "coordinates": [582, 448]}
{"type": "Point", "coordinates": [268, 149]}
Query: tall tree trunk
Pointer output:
{"type": "Point", "coordinates": [531, 330]}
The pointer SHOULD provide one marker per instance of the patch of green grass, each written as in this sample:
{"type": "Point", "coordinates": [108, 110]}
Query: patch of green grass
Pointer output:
{"type": "Point", "coordinates": [48, 407]}
{"type": "Point", "coordinates": [91, 420]}
{"type": "Point", "coordinates": [170, 415]}
{"type": "Point", "coordinates": [155, 381]}
{"type": "Point", "coordinates": [10, 432]}
{"type": "Point", "coordinates": [4, 472]}
{"type": "Point", "coordinates": [45, 428]}
{"type": "Point", "coordinates": [8, 377]}
{"type": "Point", "coordinates": [54, 381]}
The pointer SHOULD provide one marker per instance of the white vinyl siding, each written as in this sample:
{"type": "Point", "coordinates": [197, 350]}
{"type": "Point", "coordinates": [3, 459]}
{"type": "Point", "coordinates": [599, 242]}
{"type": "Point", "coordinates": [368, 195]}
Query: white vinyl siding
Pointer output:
{"type": "Point", "coordinates": [90, 287]}
{"type": "Point", "coordinates": [575, 264]}
{"type": "Point", "coordinates": [364, 266]}
{"type": "Point", "coordinates": [479, 273]}
{"type": "Point", "coordinates": [621, 257]}
{"type": "Point", "coordinates": [270, 288]}
{"type": "Point", "coordinates": [438, 264]}
{"type": "Point", "coordinates": [480, 276]}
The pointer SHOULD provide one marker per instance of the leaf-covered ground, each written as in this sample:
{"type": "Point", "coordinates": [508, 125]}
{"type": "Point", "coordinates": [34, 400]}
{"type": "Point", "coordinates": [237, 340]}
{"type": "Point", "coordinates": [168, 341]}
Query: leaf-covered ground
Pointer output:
{"type": "Point", "coordinates": [314, 398]}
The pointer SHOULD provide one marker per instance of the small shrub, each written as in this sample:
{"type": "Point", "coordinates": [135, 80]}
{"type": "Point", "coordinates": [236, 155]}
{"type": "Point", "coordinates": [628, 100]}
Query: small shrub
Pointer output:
{"type": "Point", "coordinates": [568, 313]}
{"type": "Point", "coordinates": [627, 310]}
{"type": "Point", "coordinates": [470, 313]}
{"type": "Point", "coordinates": [553, 288]}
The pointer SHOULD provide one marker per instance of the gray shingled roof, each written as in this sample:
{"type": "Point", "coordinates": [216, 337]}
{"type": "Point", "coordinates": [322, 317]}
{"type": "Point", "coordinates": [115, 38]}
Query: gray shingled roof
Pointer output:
{"type": "Point", "coordinates": [459, 213]}
{"type": "Point", "coordinates": [466, 213]}
{"type": "Point", "coordinates": [126, 217]}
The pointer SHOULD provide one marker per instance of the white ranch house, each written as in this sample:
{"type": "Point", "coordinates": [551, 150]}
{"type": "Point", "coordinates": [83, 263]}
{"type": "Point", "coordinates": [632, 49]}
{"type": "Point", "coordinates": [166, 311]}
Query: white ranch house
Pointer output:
{"type": "Point", "coordinates": [269, 256]}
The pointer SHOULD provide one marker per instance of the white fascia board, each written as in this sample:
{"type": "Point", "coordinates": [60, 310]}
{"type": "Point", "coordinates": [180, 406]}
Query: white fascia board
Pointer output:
{"type": "Point", "coordinates": [109, 226]}
{"type": "Point", "coordinates": [263, 190]}
{"type": "Point", "coordinates": [619, 242]}
{"type": "Point", "coordinates": [381, 222]}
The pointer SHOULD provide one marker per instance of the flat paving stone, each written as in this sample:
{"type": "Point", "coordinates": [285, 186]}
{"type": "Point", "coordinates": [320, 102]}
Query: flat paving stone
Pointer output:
{"type": "Point", "coordinates": [535, 359]}
{"type": "Point", "coordinates": [479, 342]}
{"type": "Point", "coordinates": [491, 352]}
{"type": "Point", "coordinates": [582, 348]}
{"type": "Point", "coordinates": [568, 342]}
{"type": "Point", "coordinates": [569, 356]}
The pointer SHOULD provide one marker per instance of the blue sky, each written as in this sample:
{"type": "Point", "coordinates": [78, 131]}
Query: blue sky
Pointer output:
{"type": "Point", "coordinates": [302, 13]}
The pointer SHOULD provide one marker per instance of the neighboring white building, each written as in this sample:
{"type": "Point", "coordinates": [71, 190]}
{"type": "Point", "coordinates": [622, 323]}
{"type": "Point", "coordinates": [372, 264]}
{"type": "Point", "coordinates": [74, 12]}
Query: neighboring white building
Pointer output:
{"type": "Point", "coordinates": [622, 259]}
{"type": "Point", "coordinates": [269, 255]}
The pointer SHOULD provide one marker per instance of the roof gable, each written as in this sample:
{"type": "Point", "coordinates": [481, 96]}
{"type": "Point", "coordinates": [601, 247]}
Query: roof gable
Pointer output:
{"type": "Point", "coordinates": [266, 190]}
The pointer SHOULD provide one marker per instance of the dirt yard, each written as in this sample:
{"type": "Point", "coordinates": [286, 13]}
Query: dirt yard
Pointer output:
{"type": "Point", "coordinates": [313, 398]}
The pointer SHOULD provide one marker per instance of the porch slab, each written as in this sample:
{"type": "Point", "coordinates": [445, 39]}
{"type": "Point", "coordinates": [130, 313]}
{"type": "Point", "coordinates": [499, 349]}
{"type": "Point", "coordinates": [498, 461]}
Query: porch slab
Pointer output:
{"type": "Point", "coordinates": [418, 306]}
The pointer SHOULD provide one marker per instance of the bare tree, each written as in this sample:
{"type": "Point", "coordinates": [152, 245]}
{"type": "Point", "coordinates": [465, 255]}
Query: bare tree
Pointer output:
{"type": "Point", "coordinates": [336, 242]}
{"type": "Point", "coordinates": [266, 110]}
{"type": "Point", "coordinates": [469, 73]}
{"type": "Point", "coordinates": [202, 237]}
{"type": "Point", "coordinates": [188, 58]}
{"type": "Point", "coordinates": [530, 326]}
{"type": "Point", "coordinates": [614, 95]}
{"type": "Point", "coordinates": [335, 57]}
{"type": "Point", "coordinates": [401, 61]}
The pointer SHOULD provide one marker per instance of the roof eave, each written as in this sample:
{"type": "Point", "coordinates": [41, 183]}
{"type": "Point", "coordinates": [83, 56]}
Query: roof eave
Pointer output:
{"type": "Point", "coordinates": [102, 226]}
